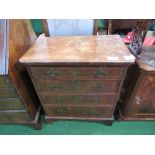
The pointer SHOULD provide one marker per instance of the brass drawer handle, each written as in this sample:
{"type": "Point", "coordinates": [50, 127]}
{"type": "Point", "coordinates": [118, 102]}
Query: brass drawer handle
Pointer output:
{"type": "Point", "coordinates": [77, 99]}
{"type": "Point", "coordinates": [62, 111]}
{"type": "Point", "coordinates": [94, 112]}
{"type": "Point", "coordinates": [97, 86]}
{"type": "Point", "coordinates": [55, 86]}
{"type": "Point", "coordinates": [76, 85]}
{"type": "Point", "coordinates": [52, 72]}
{"type": "Point", "coordinates": [59, 99]}
{"type": "Point", "coordinates": [78, 110]}
{"type": "Point", "coordinates": [74, 73]}
{"type": "Point", "coordinates": [99, 73]}
{"type": "Point", "coordinates": [95, 99]}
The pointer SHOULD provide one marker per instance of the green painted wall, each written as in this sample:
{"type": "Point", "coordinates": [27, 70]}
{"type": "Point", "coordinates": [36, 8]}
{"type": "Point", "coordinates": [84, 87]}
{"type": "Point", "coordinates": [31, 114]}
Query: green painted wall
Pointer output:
{"type": "Point", "coordinates": [37, 25]}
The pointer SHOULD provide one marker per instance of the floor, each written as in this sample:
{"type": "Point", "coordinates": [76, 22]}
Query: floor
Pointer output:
{"type": "Point", "coordinates": [82, 128]}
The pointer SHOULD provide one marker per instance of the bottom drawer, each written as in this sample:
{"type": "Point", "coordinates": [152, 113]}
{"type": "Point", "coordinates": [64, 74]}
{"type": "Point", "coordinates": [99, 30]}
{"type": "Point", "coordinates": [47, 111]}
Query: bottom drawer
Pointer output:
{"type": "Point", "coordinates": [11, 104]}
{"type": "Point", "coordinates": [14, 117]}
{"type": "Point", "coordinates": [8, 93]}
{"type": "Point", "coordinates": [78, 111]}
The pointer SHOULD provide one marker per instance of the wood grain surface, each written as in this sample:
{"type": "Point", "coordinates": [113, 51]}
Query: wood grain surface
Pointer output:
{"type": "Point", "coordinates": [86, 49]}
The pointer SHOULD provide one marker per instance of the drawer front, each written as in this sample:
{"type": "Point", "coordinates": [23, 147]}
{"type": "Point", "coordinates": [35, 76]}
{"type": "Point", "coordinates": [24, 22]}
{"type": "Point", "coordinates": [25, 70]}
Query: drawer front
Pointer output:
{"type": "Point", "coordinates": [106, 86]}
{"type": "Point", "coordinates": [77, 99]}
{"type": "Point", "coordinates": [78, 111]}
{"type": "Point", "coordinates": [8, 93]}
{"type": "Point", "coordinates": [78, 72]}
{"type": "Point", "coordinates": [5, 82]}
{"type": "Point", "coordinates": [14, 117]}
{"type": "Point", "coordinates": [11, 104]}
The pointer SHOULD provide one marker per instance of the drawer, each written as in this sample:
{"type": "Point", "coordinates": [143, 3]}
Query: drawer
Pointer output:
{"type": "Point", "coordinates": [11, 104]}
{"type": "Point", "coordinates": [5, 82]}
{"type": "Point", "coordinates": [14, 117]}
{"type": "Point", "coordinates": [77, 99]}
{"type": "Point", "coordinates": [78, 72]}
{"type": "Point", "coordinates": [8, 93]}
{"type": "Point", "coordinates": [106, 86]}
{"type": "Point", "coordinates": [78, 111]}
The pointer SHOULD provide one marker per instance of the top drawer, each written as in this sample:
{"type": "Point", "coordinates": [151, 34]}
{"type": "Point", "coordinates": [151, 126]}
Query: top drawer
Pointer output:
{"type": "Point", "coordinates": [78, 72]}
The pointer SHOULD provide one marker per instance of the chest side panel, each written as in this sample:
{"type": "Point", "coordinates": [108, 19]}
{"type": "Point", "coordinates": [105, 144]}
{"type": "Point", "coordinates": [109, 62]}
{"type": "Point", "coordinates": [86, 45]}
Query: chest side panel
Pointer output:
{"type": "Point", "coordinates": [144, 98]}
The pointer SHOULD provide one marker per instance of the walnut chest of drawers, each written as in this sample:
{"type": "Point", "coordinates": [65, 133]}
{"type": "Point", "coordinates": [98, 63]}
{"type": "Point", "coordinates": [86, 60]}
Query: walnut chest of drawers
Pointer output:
{"type": "Point", "coordinates": [78, 77]}
{"type": "Point", "coordinates": [138, 100]}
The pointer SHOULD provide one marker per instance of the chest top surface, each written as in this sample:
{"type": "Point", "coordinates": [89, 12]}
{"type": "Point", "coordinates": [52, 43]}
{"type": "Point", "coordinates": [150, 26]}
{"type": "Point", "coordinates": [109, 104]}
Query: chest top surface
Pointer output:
{"type": "Point", "coordinates": [147, 59]}
{"type": "Point", "coordinates": [76, 49]}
